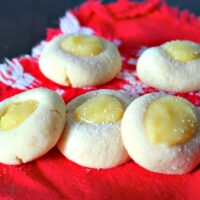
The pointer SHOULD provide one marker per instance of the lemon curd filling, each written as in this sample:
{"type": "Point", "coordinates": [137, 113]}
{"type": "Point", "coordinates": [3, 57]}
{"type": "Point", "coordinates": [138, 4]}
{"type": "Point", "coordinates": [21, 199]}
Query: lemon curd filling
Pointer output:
{"type": "Point", "coordinates": [14, 114]}
{"type": "Point", "coordinates": [170, 121]}
{"type": "Point", "coordinates": [183, 51]}
{"type": "Point", "coordinates": [82, 45]}
{"type": "Point", "coordinates": [100, 109]}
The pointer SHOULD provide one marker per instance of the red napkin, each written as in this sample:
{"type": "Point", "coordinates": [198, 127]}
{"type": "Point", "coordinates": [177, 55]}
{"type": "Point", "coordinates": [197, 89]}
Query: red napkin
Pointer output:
{"type": "Point", "coordinates": [133, 27]}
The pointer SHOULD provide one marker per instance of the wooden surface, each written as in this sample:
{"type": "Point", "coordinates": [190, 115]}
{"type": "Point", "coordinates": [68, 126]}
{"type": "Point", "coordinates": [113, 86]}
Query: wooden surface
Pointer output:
{"type": "Point", "coordinates": [23, 22]}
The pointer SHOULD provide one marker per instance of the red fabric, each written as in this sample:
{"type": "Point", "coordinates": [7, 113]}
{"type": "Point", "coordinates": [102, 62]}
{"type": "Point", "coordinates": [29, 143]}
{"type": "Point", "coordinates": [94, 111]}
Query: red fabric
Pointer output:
{"type": "Point", "coordinates": [53, 176]}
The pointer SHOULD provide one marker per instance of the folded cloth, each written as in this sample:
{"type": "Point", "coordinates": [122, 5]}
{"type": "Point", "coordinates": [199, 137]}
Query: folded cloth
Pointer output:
{"type": "Point", "coordinates": [132, 27]}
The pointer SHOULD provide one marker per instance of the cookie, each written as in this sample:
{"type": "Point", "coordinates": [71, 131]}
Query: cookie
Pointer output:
{"type": "Point", "coordinates": [80, 60]}
{"type": "Point", "coordinates": [173, 66]}
{"type": "Point", "coordinates": [92, 136]}
{"type": "Point", "coordinates": [30, 125]}
{"type": "Point", "coordinates": [162, 133]}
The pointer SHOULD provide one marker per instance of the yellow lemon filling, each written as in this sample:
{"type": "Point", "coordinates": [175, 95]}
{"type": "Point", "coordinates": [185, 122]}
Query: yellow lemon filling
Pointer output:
{"type": "Point", "coordinates": [183, 51]}
{"type": "Point", "coordinates": [170, 121]}
{"type": "Point", "coordinates": [100, 109]}
{"type": "Point", "coordinates": [82, 45]}
{"type": "Point", "coordinates": [14, 114]}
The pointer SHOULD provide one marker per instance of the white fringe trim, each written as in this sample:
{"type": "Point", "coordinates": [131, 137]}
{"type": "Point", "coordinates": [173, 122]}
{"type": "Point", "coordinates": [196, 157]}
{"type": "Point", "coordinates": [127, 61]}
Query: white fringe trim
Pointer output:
{"type": "Point", "coordinates": [69, 24]}
{"type": "Point", "coordinates": [133, 86]}
{"type": "Point", "coordinates": [37, 50]}
{"type": "Point", "coordinates": [12, 74]}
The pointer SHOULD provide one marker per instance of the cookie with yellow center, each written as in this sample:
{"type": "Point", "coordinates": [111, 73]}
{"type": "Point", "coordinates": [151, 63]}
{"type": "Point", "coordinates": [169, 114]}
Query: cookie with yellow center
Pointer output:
{"type": "Point", "coordinates": [30, 125]}
{"type": "Point", "coordinates": [173, 66]}
{"type": "Point", "coordinates": [80, 60]}
{"type": "Point", "coordinates": [92, 135]}
{"type": "Point", "coordinates": [162, 133]}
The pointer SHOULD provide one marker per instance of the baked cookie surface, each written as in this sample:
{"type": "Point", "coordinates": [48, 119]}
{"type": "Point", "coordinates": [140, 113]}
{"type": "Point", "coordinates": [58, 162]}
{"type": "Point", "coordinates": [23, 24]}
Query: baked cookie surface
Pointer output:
{"type": "Point", "coordinates": [30, 125]}
{"type": "Point", "coordinates": [80, 60]}
{"type": "Point", "coordinates": [173, 66]}
{"type": "Point", "coordinates": [162, 133]}
{"type": "Point", "coordinates": [92, 135]}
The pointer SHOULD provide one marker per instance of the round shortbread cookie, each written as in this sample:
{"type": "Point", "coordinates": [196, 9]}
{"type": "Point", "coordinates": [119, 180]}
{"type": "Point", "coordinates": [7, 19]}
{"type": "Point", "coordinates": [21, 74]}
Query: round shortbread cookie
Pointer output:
{"type": "Point", "coordinates": [66, 68]}
{"type": "Point", "coordinates": [178, 158]}
{"type": "Point", "coordinates": [30, 125]}
{"type": "Point", "coordinates": [157, 69]}
{"type": "Point", "coordinates": [95, 145]}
